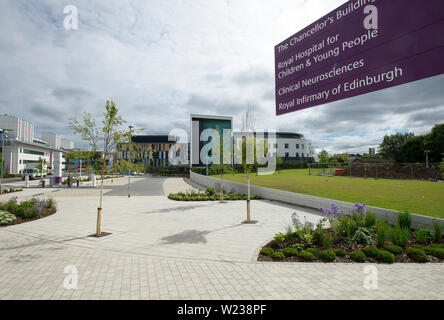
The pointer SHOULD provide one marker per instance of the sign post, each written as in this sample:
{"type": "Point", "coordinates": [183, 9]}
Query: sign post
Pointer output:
{"type": "Point", "coordinates": [361, 47]}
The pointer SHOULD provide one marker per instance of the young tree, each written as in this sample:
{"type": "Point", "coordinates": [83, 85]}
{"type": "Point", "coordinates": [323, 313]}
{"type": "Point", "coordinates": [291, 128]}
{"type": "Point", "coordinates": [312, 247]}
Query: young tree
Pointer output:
{"type": "Point", "coordinates": [434, 142]}
{"type": "Point", "coordinates": [87, 129]}
{"type": "Point", "coordinates": [109, 133]}
{"type": "Point", "coordinates": [324, 157]}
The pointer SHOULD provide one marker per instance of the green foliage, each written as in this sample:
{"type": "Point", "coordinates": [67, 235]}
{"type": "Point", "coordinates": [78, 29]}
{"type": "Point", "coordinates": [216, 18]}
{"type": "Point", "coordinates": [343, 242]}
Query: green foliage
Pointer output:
{"type": "Point", "coordinates": [362, 236]}
{"type": "Point", "coordinates": [371, 252]}
{"type": "Point", "coordinates": [427, 250]}
{"type": "Point", "coordinates": [279, 237]}
{"type": "Point", "coordinates": [438, 252]}
{"type": "Point", "coordinates": [412, 150]}
{"type": "Point", "coordinates": [405, 220]}
{"type": "Point", "coordinates": [327, 241]}
{"type": "Point", "coordinates": [324, 157]}
{"type": "Point", "coordinates": [357, 256]}
{"type": "Point", "coordinates": [327, 255]}
{"type": "Point", "coordinates": [290, 252]}
{"type": "Point", "coordinates": [370, 220]}
{"type": "Point", "coordinates": [267, 251]}
{"type": "Point", "coordinates": [340, 252]}
{"type": "Point", "coordinates": [7, 218]}
{"type": "Point", "coordinates": [210, 191]}
{"type": "Point", "coordinates": [434, 142]}
{"type": "Point", "coordinates": [437, 245]}
{"type": "Point", "coordinates": [400, 236]}
{"type": "Point", "coordinates": [417, 255]}
{"type": "Point", "coordinates": [278, 256]}
{"type": "Point", "coordinates": [298, 246]}
{"type": "Point", "coordinates": [390, 146]}
{"type": "Point", "coordinates": [437, 232]}
{"type": "Point", "coordinates": [307, 255]}
{"type": "Point", "coordinates": [382, 232]}
{"type": "Point", "coordinates": [314, 251]}
{"type": "Point", "coordinates": [385, 256]}
{"type": "Point", "coordinates": [394, 249]}
{"type": "Point", "coordinates": [274, 244]}
{"type": "Point", "coordinates": [423, 235]}
{"type": "Point", "coordinates": [318, 233]}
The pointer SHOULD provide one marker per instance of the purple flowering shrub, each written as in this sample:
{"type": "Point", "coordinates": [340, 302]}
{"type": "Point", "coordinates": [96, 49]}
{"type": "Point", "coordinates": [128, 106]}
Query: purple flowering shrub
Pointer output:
{"type": "Point", "coordinates": [303, 229]}
{"type": "Point", "coordinates": [29, 209]}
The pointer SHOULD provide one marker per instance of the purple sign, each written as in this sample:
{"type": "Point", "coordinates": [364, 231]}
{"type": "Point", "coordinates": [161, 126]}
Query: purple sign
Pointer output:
{"type": "Point", "coordinates": [361, 47]}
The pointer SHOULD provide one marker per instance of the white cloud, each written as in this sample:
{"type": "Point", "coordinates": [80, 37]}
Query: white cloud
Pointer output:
{"type": "Point", "coordinates": [162, 60]}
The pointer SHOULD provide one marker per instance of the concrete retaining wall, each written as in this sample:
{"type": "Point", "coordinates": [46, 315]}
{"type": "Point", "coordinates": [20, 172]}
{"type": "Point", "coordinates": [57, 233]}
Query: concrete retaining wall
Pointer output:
{"type": "Point", "coordinates": [308, 201]}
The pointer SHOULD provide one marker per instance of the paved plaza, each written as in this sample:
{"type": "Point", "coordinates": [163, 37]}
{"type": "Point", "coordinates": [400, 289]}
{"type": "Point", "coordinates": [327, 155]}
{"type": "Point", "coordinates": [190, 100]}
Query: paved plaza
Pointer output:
{"type": "Point", "coordinates": [163, 249]}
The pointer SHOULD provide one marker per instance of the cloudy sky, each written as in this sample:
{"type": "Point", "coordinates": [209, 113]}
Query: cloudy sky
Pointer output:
{"type": "Point", "coordinates": [161, 60]}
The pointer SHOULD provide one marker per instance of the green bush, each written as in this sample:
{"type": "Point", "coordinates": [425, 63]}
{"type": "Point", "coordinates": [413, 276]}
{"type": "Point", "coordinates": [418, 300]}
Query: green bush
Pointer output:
{"type": "Point", "coordinates": [437, 232]}
{"type": "Point", "coordinates": [290, 252]}
{"type": "Point", "coordinates": [423, 235]}
{"type": "Point", "coordinates": [400, 236]}
{"type": "Point", "coordinates": [278, 256]}
{"type": "Point", "coordinates": [298, 246]}
{"type": "Point", "coordinates": [327, 255]}
{"type": "Point", "coordinates": [405, 220]}
{"type": "Point", "coordinates": [371, 252]}
{"type": "Point", "coordinates": [340, 252]}
{"type": "Point", "coordinates": [427, 250]}
{"type": "Point", "coordinates": [11, 206]}
{"type": "Point", "coordinates": [326, 241]}
{"type": "Point", "coordinates": [370, 220]}
{"type": "Point", "coordinates": [417, 255]}
{"type": "Point", "coordinates": [307, 255]}
{"type": "Point", "coordinates": [274, 244]}
{"type": "Point", "coordinates": [437, 245]}
{"type": "Point", "coordinates": [385, 256]}
{"type": "Point", "coordinates": [279, 237]}
{"type": "Point", "coordinates": [7, 218]}
{"type": "Point", "coordinates": [267, 251]}
{"type": "Point", "coordinates": [438, 252]}
{"type": "Point", "coordinates": [362, 236]}
{"type": "Point", "coordinates": [393, 249]}
{"type": "Point", "coordinates": [382, 232]}
{"type": "Point", "coordinates": [357, 256]}
{"type": "Point", "coordinates": [210, 191]}
{"type": "Point", "coordinates": [314, 251]}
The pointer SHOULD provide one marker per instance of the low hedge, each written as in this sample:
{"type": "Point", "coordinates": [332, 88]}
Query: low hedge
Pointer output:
{"type": "Point", "coordinates": [417, 254]}
{"type": "Point", "coordinates": [385, 256]}
{"type": "Point", "coordinates": [327, 255]}
{"type": "Point", "coordinates": [357, 256]}
{"type": "Point", "coordinates": [307, 255]}
{"type": "Point", "coordinates": [394, 249]}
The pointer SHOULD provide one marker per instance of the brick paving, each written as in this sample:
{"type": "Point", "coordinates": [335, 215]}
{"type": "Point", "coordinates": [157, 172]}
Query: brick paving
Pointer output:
{"type": "Point", "coordinates": [162, 249]}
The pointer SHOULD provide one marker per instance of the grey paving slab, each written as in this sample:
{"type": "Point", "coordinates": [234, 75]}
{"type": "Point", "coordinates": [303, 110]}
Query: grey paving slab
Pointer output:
{"type": "Point", "coordinates": [161, 249]}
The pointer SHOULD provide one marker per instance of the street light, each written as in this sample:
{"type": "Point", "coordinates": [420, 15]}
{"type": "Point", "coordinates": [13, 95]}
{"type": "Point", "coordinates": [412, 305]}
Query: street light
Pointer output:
{"type": "Point", "coordinates": [427, 157]}
{"type": "Point", "coordinates": [4, 136]}
{"type": "Point", "coordinates": [129, 160]}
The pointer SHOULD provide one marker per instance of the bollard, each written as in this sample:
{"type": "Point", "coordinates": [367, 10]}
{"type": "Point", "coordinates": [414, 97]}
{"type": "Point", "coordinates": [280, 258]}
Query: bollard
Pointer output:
{"type": "Point", "coordinates": [43, 183]}
{"type": "Point", "coordinates": [69, 181]}
{"type": "Point", "coordinates": [27, 181]}
{"type": "Point", "coordinates": [78, 183]}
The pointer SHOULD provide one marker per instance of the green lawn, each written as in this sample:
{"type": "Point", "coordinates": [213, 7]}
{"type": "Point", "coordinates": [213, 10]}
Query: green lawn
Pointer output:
{"type": "Point", "coordinates": [421, 197]}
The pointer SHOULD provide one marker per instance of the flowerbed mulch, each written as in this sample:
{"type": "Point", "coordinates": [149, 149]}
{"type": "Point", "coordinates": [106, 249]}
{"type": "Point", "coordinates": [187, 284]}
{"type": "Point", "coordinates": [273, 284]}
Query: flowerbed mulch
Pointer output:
{"type": "Point", "coordinates": [342, 244]}
{"type": "Point", "coordinates": [48, 213]}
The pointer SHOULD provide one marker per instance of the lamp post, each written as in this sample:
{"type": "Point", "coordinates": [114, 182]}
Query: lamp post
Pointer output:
{"type": "Point", "coordinates": [4, 136]}
{"type": "Point", "coordinates": [427, 157]}
{"type": "Point", "coordinates": [129, 160]}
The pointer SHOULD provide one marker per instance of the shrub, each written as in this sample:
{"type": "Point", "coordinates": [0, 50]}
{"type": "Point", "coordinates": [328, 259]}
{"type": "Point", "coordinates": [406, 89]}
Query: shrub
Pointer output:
{"type": "Point", "coordinates": [423, 235]}
{"type": "Point", "coordinates": [437, 245]}
{"type": "Point", "coordinates": [314, 251]}
{"type": "Point", "coordinates": [340, 252]}
{"type": "Point", "coordinates": [326, 241]}
{"type": "Point", "coordinates": [274, 244]}
{"type": "Point", "coordinates": [427, 250]}
{"type": "Point", "coordinates": [382, 232]}
{"type": "Point", "coordinates": [290, 252]}
{"type": "Point", "coordinates": [357, 256]}
{"type": "Point", "coordinates": [291, 235]}
{"type": "Point", "coordinates": [267, 251]}
{"type": "Point", "coordinates": [393, 249]}
{"type": "Point", "coordinates": [20, 212]}
{"type": "Point", "coordinates": [362, 236]}
{"type": "Point", "coordinates": [298, 246]}
{"type": "Point", "coordinates": [405, 220]}
{"type": "Point", "coordinates": [400, 236]}
{"type": "Point", "coordinates": [12, 206]}
{"type": "Point", "coordinates": [210, 191]}
{"type": "Point", "coordinates": [438, 252]}
{"type": "Point", "coordinates": [385, 256]}
{"type": "Point", "coordinates": [307, 255]}
{"type": "Point", "coordinates": [327, 255]}
{"type": "Point", "coordinates": [437, 233]}
{"type": "Point", "coordinates": [417, 255]}
{"type": "Point", "coordinates": [278, 256]}
{"type": "Point", "coordinates": [370, 220]}
{"type": "Point", "coordinates": [279, 237]}
{"type": "Point", "coordinates": [318, 234]}
{"type": "Point", "coordinates": [6, 218]}
{"type": "Point", "coordinates": [371, 252]}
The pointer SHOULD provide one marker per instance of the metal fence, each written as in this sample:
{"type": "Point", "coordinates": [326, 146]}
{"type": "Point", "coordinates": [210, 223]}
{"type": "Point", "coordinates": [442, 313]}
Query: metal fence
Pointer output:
{"type": "Point", "coordinates": [407, 171]}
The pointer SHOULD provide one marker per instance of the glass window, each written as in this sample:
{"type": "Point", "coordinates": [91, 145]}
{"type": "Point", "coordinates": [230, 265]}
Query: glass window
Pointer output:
{"type": "Point", "coordinates": [297, 145]}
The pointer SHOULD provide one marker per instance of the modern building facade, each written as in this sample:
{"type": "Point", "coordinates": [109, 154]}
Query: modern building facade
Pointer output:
{"type": "Point", "coordinates": [291, 147]}
{"type": "Point", "coordinates": [154, 150]}
{"type": "Point", "coordinates": [24, 151]}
